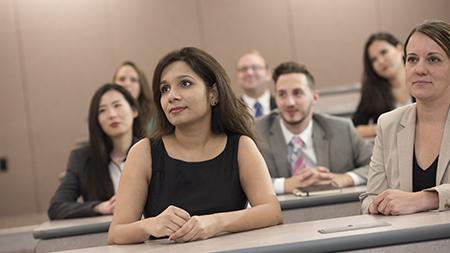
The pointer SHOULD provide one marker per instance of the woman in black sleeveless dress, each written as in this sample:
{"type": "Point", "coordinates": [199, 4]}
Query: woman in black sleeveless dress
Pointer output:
{"type": "Point", "coordinates": [193, 178]}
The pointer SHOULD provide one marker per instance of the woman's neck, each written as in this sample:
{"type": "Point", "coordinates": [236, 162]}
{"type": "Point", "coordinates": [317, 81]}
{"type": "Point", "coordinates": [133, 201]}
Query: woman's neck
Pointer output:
{"type": "Point", "coordinates": [121, 144]}
{"type": "Point", "coordinates": [193, 137]}
{"type": "Point", "coordinates": [434, 112]}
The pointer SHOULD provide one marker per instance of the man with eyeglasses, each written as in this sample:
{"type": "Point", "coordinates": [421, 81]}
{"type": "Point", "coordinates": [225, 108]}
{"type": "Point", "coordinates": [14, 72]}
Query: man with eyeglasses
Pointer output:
{"type": "Point", "coordinates": [253, 76]}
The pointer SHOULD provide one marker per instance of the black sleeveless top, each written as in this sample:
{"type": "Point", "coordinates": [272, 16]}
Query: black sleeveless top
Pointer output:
{"type": "Point", "coordinates": [200, 188]}
{"type": "Point", "coordinates": [424, 179]}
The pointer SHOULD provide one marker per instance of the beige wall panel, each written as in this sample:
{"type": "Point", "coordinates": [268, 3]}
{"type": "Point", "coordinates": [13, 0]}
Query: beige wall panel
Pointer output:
{"type": "Point", "coordinates": [233, 27]}
{"type": "Point", "coordinates": [55, 53]}
{"type": "Point", "coordinates": [67, 56]}
{"type": "Point", "coordinates": [144, 31]}
{"type": "Point", "coordinates": [400, 16]}
{"type": "Point", "coordinates": [17, 185]}
{"type": "Point", "coordinates": [330, 35]}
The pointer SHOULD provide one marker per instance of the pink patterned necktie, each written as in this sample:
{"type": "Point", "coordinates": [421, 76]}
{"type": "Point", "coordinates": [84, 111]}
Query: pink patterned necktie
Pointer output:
{"type": "Point", "coordinates": [296, 156]}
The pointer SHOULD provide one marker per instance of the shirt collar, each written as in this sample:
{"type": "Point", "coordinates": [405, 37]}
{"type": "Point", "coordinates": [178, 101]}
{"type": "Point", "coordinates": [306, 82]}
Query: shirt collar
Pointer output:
{"type": "Point", "coordinates": [251, 101]}
{"type": "Point", "coordinates": [306, 135]}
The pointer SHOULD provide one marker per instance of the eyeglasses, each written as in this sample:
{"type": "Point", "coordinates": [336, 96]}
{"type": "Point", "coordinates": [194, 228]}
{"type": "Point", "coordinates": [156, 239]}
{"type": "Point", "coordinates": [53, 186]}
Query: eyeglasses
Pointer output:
{"type": "Point", "coordinates": [254, 68]}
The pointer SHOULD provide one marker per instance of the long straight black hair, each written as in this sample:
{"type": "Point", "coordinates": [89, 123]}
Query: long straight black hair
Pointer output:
{"type": "Point", "coordinates": [376, 94]}
{"type": "Point", "coordinates": [98, 181]}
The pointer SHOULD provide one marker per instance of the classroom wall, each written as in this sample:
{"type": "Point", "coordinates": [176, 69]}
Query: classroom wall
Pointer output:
{"type": "Point", "coordinates": [55, 53]}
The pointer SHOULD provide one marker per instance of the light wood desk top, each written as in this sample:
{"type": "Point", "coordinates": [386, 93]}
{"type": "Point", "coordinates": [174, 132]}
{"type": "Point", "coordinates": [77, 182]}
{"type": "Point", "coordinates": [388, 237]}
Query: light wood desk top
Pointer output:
{"type": "Point", "coordinates": [18, 239]}
{"type": "Point", "coordinates": [304, 237]}
{"type": "Point", "coordinates": [70, 227]}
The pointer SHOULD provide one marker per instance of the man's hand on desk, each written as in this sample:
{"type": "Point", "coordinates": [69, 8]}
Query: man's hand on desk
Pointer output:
{"type": "Point", "coordinates": [342, 180]}
{"type": "Point", "coordinates": [106, 207]}
{"type": "Point", "coordinates": [308, 177]}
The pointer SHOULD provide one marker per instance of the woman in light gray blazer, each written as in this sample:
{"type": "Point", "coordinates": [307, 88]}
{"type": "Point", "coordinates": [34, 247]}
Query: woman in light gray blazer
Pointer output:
{"type": "Point", "coordinates": [410, 167]}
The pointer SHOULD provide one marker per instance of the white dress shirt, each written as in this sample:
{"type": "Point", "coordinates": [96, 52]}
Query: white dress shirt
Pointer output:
{"type": "Point", "coordinates": [115, 171]}
{"type": "Point", "coordinates": [264, 100]}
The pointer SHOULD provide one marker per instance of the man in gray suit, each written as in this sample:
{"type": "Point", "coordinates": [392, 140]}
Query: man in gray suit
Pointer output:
{"type": "Point", "coordinates": [330, 151]}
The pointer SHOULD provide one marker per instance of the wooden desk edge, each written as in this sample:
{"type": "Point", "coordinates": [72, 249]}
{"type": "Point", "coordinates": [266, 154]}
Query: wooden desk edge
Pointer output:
{"type": "Point", "coordinates": [360, 241]}
{"type": "Point", "coordinates": [71, 231]}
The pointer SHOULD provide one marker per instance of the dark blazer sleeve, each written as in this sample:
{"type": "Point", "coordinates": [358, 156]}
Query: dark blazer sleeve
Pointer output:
{"type": "Point", "coordinates": [64, 203]}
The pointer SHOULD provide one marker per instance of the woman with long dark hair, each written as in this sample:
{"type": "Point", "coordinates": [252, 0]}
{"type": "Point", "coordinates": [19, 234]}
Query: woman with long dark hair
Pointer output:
{"type": "Point", "coordinates": [383, 82]}
{"type": "Point", "coordinates": [94, 169]}
{"type": "Point", "coordinates": [192, 180]}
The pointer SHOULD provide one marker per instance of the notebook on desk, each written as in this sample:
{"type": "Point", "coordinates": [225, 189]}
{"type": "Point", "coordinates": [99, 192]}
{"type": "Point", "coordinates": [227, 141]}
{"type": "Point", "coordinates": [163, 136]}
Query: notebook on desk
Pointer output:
{"type": "Point", "coordinates": [316, 190]}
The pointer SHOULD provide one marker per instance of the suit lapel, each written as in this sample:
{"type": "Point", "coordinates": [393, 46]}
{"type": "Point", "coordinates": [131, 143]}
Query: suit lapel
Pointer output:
{"type": "Point", "coordinates": [321, 145]}
{"type": "Point", "coordinates": [279, 148]}
{"type": "Point", "coordinates": [444, 153]}
{"type": "Point", "coordinates": [405, 146]}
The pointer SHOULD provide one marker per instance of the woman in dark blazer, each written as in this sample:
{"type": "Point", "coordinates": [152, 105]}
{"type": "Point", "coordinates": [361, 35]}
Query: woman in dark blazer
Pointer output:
{"type": "Point", "coordinates": [94, 169]}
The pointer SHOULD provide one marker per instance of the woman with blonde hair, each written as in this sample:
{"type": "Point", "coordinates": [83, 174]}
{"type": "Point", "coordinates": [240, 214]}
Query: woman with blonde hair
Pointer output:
{"type": "Point", "coordinates": [130, 76]}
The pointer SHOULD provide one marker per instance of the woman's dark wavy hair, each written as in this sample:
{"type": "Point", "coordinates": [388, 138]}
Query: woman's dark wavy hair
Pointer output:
{"type": "Point", "coordinates": [146, 105]}
{"type": "Point", "coordinates": [98, 180]}
{"type": "Point", "coordinates": [230, 115]}
{"type": "Point", "coordinates": [376, 94]}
